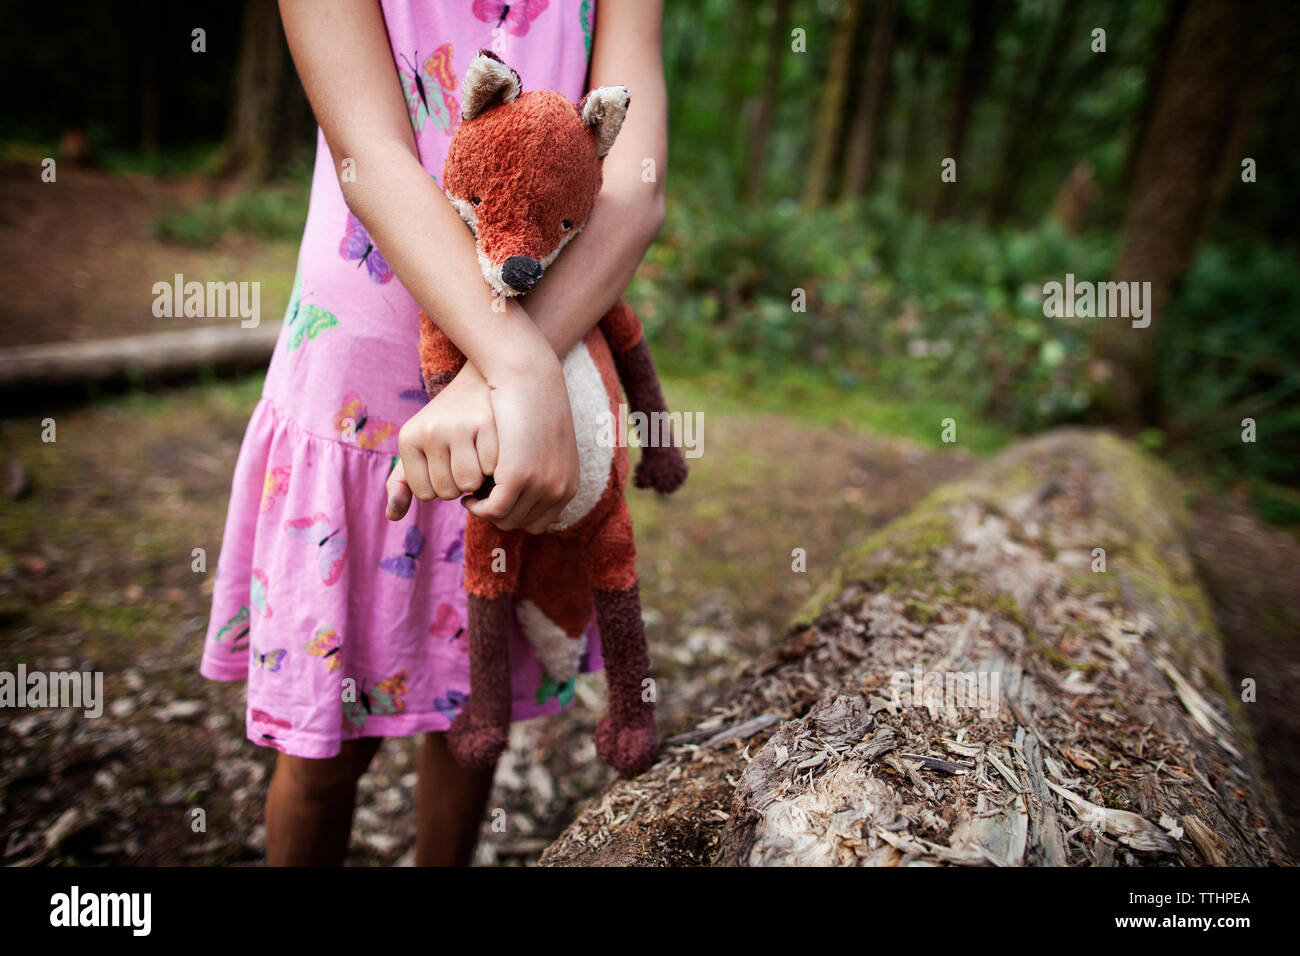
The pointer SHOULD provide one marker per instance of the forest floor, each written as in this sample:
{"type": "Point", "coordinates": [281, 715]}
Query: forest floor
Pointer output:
{"type": "Point", "coordinates": [80, 257]}
{"type": "Point", "coordinates": [97, 531]}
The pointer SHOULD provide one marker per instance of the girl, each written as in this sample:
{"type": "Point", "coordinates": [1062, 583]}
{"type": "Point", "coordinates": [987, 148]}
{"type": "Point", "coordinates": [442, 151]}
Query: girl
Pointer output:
{"type": "Point", "coordinates": [353, 624]}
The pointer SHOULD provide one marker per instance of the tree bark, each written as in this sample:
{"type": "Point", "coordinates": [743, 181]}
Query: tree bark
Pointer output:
{"type": "Point", "coordinates": [1026, 119]}
{"type": "Point", "coordinates": [923, 43]}
{"type": "Point", "coordinates": [826, 139]}
{"type": "Point", "coordinates": [1073, 199]}
{"type": "Point", "coordinates": [1099, 728]}
{"type": "Point", "coordinates": [270, 116]}
{"type": "Point", "coordinates": [776, 49]}
{"type": "Point", "coordinates": [1155, 76]}
{"type": "Point", "coordinates": [972, 76]}
{"type": "Point", "coordinates": [156, 356]}
{"type": "Point", "coordinates": [860, 155]}
{"type": "Point", "coordinates": [1215, 67]}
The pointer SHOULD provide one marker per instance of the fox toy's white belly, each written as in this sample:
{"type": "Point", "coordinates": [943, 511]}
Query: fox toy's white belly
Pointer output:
{"type": "Point", "coordinates": [593, 426]}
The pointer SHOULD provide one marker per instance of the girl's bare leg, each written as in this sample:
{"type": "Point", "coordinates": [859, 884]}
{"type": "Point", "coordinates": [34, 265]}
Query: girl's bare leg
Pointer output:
{"type": "Point", "coordinates": [309, 805]}
{"type": "Point", "coordinates": [449, 805]}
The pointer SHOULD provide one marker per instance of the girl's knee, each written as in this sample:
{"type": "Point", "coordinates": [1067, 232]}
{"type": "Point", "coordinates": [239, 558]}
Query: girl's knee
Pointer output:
{"type": "Point", "coordinates": [325, 779]}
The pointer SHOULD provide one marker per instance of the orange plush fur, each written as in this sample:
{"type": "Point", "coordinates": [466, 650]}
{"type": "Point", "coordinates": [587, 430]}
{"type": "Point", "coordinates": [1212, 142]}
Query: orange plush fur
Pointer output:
{"type": "Point", "coordinates": [524, 170]}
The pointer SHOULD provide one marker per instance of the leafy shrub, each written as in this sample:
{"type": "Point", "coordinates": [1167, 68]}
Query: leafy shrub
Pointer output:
{"type": "Point", "coordinates": [920, 309]}
{"type": "Point", "coordinates": [1230, 350]}
{"type": "Point", "coordinates": [270, 213]}
{"type": "Point", "coordinates": [954, 310]}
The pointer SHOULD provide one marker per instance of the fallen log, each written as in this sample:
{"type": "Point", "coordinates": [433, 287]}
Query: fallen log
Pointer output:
{"type": "Point", "coordinates": [1022, 671]}
{"type": "Point", "coordinates": [160, 355]}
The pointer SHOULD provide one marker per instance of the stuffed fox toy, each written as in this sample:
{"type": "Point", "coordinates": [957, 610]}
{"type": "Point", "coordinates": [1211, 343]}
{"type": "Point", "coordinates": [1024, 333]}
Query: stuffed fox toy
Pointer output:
{"type": "Point", "coordinates": [524, 170]}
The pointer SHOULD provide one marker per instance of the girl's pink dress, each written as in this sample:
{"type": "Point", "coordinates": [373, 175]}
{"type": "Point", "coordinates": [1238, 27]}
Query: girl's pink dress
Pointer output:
{"type": "Point", "coordinates": [353, 626]}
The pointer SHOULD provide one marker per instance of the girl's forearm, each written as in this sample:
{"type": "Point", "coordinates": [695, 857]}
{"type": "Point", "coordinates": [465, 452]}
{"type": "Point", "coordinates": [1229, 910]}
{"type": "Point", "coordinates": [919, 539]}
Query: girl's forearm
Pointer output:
{"type": "Point", "coordinates": [432, 253]}
{"type": "Point", "coordinates": [364, 119]}
{"type": "Point", "coordinates": [591, 275]}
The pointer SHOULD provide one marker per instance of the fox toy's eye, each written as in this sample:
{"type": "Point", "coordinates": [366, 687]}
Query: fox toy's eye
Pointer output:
{"type": "Point", "coordinates": [565, 225]}
{"type": "Point", "coordinates": [475, 200]}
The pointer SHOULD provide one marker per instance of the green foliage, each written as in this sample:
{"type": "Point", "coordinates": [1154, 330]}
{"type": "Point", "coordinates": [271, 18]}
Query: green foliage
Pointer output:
{"type": "Point", "coordinates": [272, 213]}
{"type": "Point", "coordinates": [895, 304]}
{"type": "Point", "coordinates": [199, 160]}
{"type": "Point", "coordinates": [1230, 350]}
{"type": "Point", "coordinates": [909, 321]}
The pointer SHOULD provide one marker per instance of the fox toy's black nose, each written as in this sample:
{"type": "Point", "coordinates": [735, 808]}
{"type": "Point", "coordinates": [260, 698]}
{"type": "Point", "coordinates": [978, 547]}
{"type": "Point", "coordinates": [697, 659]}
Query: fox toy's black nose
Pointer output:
{"type": "Point", "coordinates": [521, 273]}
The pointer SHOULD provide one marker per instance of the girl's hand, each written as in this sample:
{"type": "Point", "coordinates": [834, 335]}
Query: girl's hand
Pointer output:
{"type": "Point", "coordinates": [447, 448]}
{"type": "Point", "coordinates": [520, 432]}
{"type": "Point", "coordinates": [537, 474]}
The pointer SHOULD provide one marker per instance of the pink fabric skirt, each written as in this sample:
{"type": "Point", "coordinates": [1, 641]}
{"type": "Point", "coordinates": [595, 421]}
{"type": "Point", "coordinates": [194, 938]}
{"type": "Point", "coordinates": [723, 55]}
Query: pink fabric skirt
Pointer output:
{"type": "Point", "coordinates": [345, 624]}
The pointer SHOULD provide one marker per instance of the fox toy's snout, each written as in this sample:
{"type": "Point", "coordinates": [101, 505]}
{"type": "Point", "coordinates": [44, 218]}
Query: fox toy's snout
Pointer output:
{"type": "Point", "coordinates": [521, 273]}
{"type": "Point", "coordinates": [524, 169]}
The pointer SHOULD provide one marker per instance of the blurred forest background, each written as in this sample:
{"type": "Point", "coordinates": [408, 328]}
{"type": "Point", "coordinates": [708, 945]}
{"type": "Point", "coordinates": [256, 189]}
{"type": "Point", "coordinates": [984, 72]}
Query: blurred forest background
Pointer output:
{"type": "Point", "coordinates": [806, 151]}
{"type": "Point", "coordinates": [807, 143]}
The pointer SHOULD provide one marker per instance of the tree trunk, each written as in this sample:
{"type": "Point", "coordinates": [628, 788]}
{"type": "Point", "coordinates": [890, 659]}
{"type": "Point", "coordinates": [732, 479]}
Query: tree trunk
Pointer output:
{"type": "Point", "coordinates": [980, 26]}
{"type": "Point", "coordinates": [1074, 198]}
{"type": "Point", "coordinates": [1215, 67]}
{"type": "Point", "coordinates": [826, 139]}
{"type": "Point", "coordinates": [918, 100]}
{"type": "Point", "coordinates": [859, 161]}
{"type": "Point", "coordinates": [976, 689]}
{"type": "Point", "coordinates": [270, 116]}
{"type": "Point", "coordinates": [776, 49]}
{"type": "Point", "coordinates": [144, 42]}
{"type": "Point", "coordinates": [1026, 119]}
{"type": "Point", "coordinates": [1164, 42]}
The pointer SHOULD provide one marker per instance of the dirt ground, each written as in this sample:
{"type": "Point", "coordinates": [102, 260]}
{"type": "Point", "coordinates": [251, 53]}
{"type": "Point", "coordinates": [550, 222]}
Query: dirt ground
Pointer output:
{"type": "Point", "coordinates": [78, 258]}
{"type": "Point", "coordinates": [1251, 572]}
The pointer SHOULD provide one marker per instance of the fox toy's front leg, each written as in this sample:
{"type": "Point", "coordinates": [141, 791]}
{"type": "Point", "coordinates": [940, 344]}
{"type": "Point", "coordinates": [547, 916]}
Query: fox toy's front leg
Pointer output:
{"type": "Point", "coordinates": [481, 730]}
{"type": "Point", "coordinates": [662, 467]}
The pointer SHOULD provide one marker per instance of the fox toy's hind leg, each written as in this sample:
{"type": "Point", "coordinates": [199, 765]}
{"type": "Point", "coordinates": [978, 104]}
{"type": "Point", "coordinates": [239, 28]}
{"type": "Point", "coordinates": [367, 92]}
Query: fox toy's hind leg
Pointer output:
{"type": "Point", "coordinates": [625, 736]}
{"type": "Point", "coordinates": [480, 731]}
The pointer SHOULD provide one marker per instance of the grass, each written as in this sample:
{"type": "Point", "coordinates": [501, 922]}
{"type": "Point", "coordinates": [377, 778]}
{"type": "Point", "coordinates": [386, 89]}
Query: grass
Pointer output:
{"type": "Point", "coordinates": [810, 397]}
{"type": "Point", "coordinates": [274, 213]}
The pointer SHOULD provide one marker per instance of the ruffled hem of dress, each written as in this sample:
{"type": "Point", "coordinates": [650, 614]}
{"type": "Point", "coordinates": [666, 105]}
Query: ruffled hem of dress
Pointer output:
{"type": "Point", "coordinates": [297, 743]}
{"type": "Point", "coordinates": [292, 600]}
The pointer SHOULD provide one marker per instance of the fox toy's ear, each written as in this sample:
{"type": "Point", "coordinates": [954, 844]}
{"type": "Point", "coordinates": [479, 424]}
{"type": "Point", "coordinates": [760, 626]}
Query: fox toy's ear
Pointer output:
{"type": "Point", "coordinates": [603, 110]}
{"type": "Point", "coordinates": [488, 82]}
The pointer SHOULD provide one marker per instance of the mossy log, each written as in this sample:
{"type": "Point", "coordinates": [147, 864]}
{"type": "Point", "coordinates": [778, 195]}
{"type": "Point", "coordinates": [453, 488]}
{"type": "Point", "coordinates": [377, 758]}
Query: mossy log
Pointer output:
{"type": "Point", "coordinates": [1022, 671]}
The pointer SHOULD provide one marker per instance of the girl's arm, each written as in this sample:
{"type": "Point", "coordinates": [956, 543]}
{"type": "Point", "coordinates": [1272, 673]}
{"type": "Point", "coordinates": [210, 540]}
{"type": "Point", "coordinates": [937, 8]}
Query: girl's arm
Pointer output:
{"type": "Point", "coordinates": [592, 273]}
{"type": "Point", "coordinates": [513, 421]}
{"type": "Point", "coordinates": [595, 268]}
